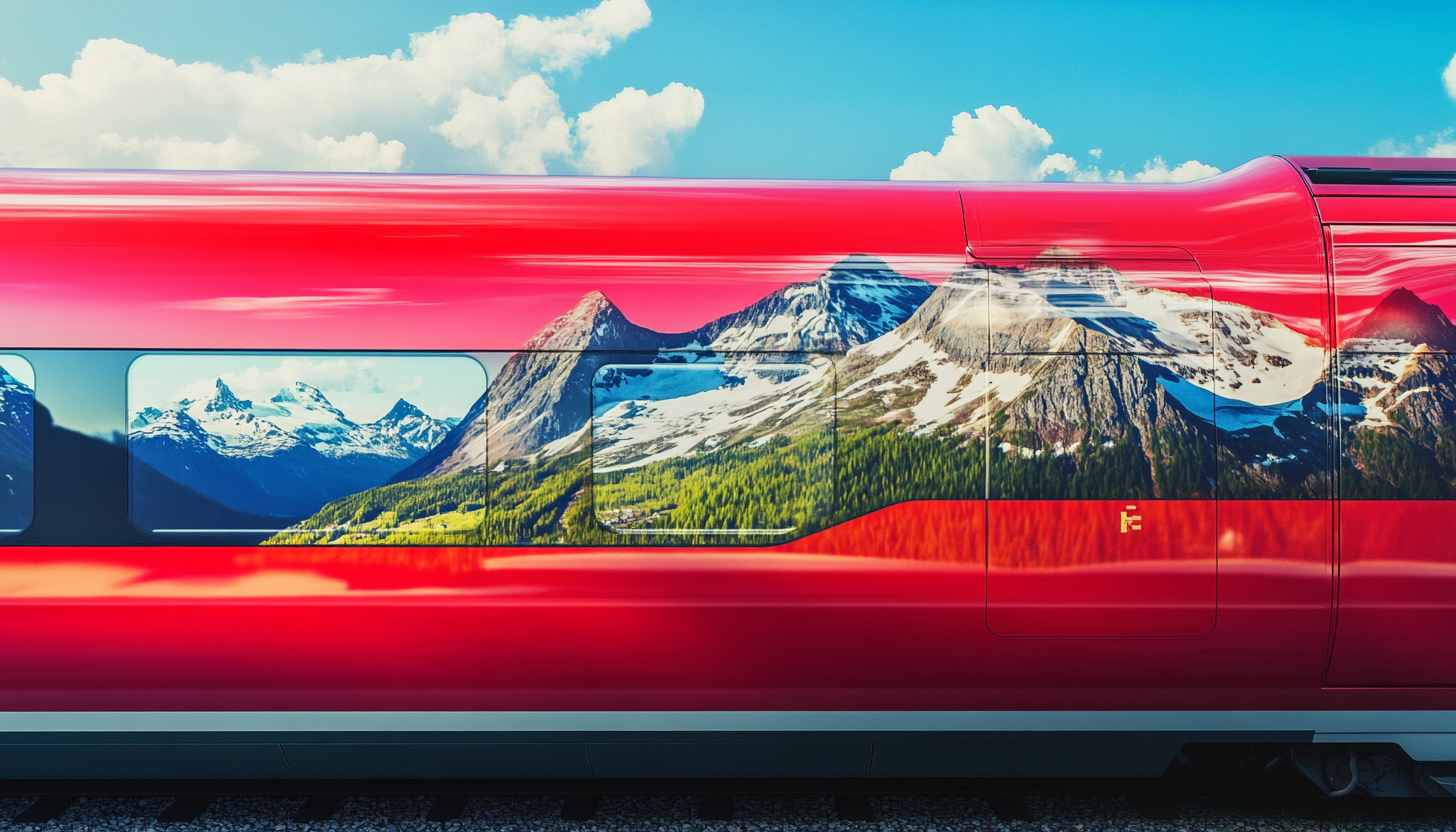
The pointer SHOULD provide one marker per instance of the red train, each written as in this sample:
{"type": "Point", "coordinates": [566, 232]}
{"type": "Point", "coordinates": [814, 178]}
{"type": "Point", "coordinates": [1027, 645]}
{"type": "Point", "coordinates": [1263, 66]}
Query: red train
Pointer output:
{"type": "Point", "coordinates": [446, 476]}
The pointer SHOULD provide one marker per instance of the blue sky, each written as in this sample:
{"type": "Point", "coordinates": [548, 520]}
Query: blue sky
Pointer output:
{"type": "Point", "coordinates": [805, 89]}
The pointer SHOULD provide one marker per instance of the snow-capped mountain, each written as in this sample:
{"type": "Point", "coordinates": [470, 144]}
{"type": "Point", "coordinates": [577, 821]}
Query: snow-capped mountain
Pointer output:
{"type": "Point", "coordinates": [405, 432]}
{"type": "Point", "coordinates": [541, 401]}
{"type": "Point", "coordinates": [1060, 353]}
{"type": "Point", "coordinates": [296, 416]}
{"type": "Point", "coordinates": [858, 299]}
{"type": "Point", "coordinates": [982, 314]}
{"type": "Point", "coordinates": [283, 457]}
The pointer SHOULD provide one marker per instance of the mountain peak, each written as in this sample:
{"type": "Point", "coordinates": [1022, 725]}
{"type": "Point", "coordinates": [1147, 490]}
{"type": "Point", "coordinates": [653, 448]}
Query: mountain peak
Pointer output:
{"type": "Point", "coordinates": [593, 305]}
{"type": "Point", "coordinates": [1402, 315]}
{"type": "Point", "coordinates": [859, 263]}
{"type": "Point", "coordinates": [855, 300]}
{"type": "Point", "coordinates": [402, 410]}
{"type": "Point", "coordinates": [223, 400]}
{"type": "Point", "coordinates": [145, 417]}
{"type": "Point", "coordinates": [593, 322]}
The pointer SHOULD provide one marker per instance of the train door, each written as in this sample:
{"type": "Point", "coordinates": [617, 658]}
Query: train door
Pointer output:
{"type": "Point", "coordinates": [1101, 473]}
{"type": "Point", "coordinates": [1395, 296]}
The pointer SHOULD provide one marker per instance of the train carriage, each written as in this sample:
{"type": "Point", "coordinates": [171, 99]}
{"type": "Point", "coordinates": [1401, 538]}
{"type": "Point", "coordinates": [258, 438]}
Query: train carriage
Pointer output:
{"type": "Point", "coordinates": [316, 475]}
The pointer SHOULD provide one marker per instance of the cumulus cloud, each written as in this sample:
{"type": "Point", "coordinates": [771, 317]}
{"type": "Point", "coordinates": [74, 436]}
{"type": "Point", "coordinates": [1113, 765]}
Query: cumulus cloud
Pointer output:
{"type": "Point", "coordinates": [341, 375]}
{"type": "Point", "coordinates": [991, 144]}
{"type": "Point", "coordinates": [1158, 171]}
{"type": "Point", "coordinates": [632, 130]}
{"type": "Point", "coordinates": [999, 143]}
{"type": "Point", "coordinates": [517, 132]}
{"type": "Point", "coordinates": [474, 94]}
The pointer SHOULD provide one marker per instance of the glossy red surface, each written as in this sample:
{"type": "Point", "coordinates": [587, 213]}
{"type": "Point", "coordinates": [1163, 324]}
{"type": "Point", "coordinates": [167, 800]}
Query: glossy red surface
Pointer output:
{"type": "Point", "coordinates": [1364, 274]}
{"type": "Point", "coordinates": [243, 261]}
{"type": "Point", "coordinates": [1101, 567]}
{"type": "Point", "coordinates": [856, 617]}
{"type": "Point", "coordinates": [1397, 594]}
{"type": "Point", "coordinates": [1397, 581]}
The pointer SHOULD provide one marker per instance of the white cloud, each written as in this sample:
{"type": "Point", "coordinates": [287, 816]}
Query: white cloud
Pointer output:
{"type": "Point", "coordinates": [1158, 171]}
{"type": "Point", "coordinates": [515, 132]}
{"type": "Point", "coordinates": [1441, 143]}
{"type": "Point", "coordinates": [566, 42]}
{"type": "Point", "coordinates": [1002, 144]}
{"type": "Point", "coordinates": [341, 375]}
{"type": "Point", "coordinates": [179, 153]}
{"type": "Point", "coordinates": [1444, 143]}
{"type": "Point", "coordinates": [991, 144]}
{"type": "Point", "coordinates": [474, 94]}
{"type": "Point", "coordinates": [634, 130]}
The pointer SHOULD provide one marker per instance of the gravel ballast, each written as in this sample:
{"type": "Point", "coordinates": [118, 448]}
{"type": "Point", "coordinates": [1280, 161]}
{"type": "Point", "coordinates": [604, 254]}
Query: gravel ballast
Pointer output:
{"type": "Point", "coordinates": [777, 813]}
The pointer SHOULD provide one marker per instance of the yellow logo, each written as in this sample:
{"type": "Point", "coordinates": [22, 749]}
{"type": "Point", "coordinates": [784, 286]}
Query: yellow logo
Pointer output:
{"type": "Point", "coordinates": [1131, 521]}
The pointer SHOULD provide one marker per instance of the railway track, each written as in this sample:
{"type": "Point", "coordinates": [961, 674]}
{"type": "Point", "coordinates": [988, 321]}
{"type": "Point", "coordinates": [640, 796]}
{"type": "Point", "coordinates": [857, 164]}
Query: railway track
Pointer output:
{"type": "Point", "coordinates": [1282, 802]}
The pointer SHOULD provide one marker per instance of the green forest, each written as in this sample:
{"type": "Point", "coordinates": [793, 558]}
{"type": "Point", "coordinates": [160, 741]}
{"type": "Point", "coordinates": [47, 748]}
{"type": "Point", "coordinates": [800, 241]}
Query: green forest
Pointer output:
{"type": "Point", "coordinates": [777, 487]}
{"type": "Point", "coordinates": [1399, 462]}
{"type": "Point", "coordinates": [1174, 466]}
{"type": "Point", "coordinates": [786, 483]}
{"type": "Point", "coordinates": [804, 483]}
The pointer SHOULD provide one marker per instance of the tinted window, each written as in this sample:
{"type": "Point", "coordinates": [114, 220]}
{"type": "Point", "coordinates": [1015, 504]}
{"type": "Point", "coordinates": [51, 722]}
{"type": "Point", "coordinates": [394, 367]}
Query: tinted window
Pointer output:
{"type": "Point", "coordinates": [300, 449]}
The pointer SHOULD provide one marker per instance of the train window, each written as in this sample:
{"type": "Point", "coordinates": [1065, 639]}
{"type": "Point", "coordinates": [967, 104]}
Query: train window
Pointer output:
{"type": "Point", "coordinates": [728, 448]}
{"type": "Point", "coordinates": [300, 449]}
{"type": "Point", "coordinates": [17, 444]}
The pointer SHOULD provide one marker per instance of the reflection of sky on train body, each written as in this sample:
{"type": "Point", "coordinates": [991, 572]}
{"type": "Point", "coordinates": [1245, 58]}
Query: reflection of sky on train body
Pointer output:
{"type": "Point", "coordinates": [364, 387]}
